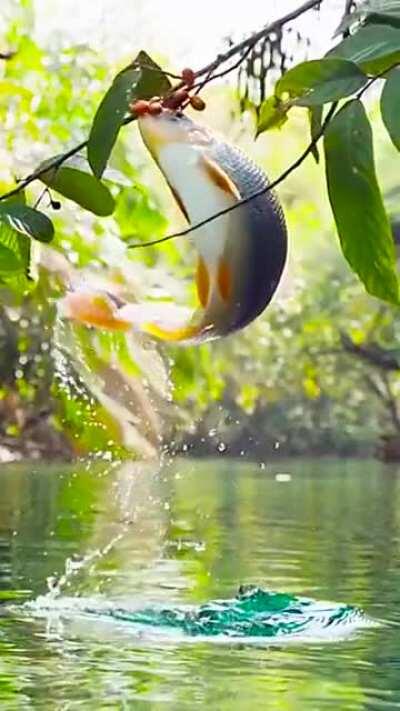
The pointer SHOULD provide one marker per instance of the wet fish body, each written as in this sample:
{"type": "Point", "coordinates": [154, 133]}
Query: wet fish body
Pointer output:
{"type": "Point", "coordinates": [241, 254]}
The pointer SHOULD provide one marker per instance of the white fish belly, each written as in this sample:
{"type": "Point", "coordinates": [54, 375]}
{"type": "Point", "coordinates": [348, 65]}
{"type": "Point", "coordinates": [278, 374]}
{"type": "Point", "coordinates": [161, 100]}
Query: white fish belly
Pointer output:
{"type": "Point", "coordinates": [184, 168]}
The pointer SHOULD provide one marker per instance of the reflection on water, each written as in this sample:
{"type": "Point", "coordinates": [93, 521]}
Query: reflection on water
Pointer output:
{"type": "Point", "coordinates": [175, 539]}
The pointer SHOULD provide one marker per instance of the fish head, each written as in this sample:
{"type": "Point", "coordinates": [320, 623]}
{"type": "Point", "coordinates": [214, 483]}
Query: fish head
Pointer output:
{"type": "Point", "coordinates": [169, 127]}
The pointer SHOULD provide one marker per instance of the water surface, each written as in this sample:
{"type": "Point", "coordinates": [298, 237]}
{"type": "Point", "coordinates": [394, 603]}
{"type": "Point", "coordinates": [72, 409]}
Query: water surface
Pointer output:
{"type": "Point", "coordinates": [179, 539]}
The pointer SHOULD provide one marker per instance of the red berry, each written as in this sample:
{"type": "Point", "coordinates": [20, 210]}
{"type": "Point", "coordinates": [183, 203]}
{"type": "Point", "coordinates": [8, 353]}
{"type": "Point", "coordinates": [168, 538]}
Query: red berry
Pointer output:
{"type": "Point", "coordinates": [188, 76]}
{"type": "Point", "coordinates": [176, 99]}
{"type": "Point", "coordinates": [155, 108]}
{"type": "Point", "coordinates": [139, 107]}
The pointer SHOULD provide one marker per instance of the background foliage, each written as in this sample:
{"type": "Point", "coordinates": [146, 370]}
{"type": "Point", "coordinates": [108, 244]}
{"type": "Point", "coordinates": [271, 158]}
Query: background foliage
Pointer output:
{"type": "Point", "coordinates": [318, 372]}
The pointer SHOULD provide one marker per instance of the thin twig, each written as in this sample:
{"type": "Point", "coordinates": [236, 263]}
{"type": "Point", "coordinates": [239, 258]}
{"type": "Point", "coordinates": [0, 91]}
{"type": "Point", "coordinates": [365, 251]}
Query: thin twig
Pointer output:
{"type": "Point", "coordinates": [372, 80]}
{"type": "Point", "coordinates": [40, 198]}
{"type": "Point", "coordinates": [249, 198]}
{"type": "Point", "coordinates": [257, 36]}
{"type": "Point", "coordinates": [230, 69]}
{"type": "Point", "coordinates": [207, 70]}
{"type": "Point", "coordinates": [38, 173]}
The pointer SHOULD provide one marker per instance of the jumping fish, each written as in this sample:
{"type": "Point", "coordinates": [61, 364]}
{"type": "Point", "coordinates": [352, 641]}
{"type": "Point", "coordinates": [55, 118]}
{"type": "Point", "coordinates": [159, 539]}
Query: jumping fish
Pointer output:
{"type": "Point", "coordinates": [241, 254]}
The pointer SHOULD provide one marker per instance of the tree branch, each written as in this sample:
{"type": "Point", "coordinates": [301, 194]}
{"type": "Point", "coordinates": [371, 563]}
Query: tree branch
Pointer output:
{"type": "Point", "coordinates": [38, 173]}
{"type": "Point", "coordinates": [243, 46]}
{"type": "Point", "coordinates": [348, 7]}
{"type": "Point", "coordinates": [244, 201]}
{"type": "Point", "coordinates": [371, 353]}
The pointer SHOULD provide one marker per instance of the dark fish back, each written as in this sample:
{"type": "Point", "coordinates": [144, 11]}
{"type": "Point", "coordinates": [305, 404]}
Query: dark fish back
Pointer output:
{"type": "Point", "coordinates": [266, 228]}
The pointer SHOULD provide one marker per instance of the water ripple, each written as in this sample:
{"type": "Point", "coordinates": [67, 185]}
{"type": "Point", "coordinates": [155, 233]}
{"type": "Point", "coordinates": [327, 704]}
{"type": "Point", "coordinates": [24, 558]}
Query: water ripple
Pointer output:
{"type": "Point", "coordinates": [252, 613]}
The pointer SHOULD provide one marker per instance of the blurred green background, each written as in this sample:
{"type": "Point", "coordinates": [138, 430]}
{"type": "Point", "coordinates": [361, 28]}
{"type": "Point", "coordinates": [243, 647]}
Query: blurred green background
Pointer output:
{"type": "Point", "coordinates": [317, 373]}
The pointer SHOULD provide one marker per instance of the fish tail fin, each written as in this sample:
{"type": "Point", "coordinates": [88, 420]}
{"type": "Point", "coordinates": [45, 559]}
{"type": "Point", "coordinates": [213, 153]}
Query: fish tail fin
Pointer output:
{"type": "Point", "coordinates": [164, 321]}
{"type": "Point", "coordinates": [93, 309]}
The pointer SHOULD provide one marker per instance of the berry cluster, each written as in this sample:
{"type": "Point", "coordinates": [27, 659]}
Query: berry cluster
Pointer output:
{"type": "Point", "coordinates": [174, 101]}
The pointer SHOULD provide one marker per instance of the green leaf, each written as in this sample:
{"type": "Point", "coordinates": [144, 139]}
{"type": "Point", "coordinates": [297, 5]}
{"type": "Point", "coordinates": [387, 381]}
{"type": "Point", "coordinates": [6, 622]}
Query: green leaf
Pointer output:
{"type": "Point", "coordinates": [315, 118]}
{"type": "Point", "coordinates": [272, 114]}
{"type": "Point", "coordinates": [320, 81]}
{"type": "Point", "coordinates": [390, 105]}
{"type": "Point", "coordinates": [374, 19]}
{"type": "Point", "coordinates": [17, 199]}
{"type": "Point", "coordinates": [15, 254]}
{"type": "Point", "coordinates": [17, 245]}
{"type": "Point", "coordinates": [374, 48]}
{"type": "Point", "coordinates": [347, 21]}
{"type": "Point", "coordinates": [27, 220]}
{"type": "Point", "coordinates": [134, 82]}
{"type": "Point", "coordinates": [152, 81]}
{"type": "Point", "coordinates": [109, 118]}
{"type": "Point", "coordinates": [387, 8]}
{"type": "Point", "coordinates": [362, 224]}
{"type": "Point", "coordinates": [9, 261]}
{"type": "Point", "coordinates": [73, 180]}
{"type": "Point", "coordinates": [386, 11]}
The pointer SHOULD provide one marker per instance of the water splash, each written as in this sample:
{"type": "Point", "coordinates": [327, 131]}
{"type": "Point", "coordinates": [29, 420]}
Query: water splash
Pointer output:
{"type": "Point", "coordinates": [253, 614]}
{"type": "Point", "coordinates": [74, 566]}
{"type": "Point", "coordinates": [113, 372]}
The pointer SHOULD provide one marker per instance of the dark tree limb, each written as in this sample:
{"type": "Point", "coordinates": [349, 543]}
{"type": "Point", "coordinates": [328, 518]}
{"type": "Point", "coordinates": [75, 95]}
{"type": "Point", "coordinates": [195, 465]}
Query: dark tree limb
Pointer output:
{"type": "Point", "coordinates": [371, 353]}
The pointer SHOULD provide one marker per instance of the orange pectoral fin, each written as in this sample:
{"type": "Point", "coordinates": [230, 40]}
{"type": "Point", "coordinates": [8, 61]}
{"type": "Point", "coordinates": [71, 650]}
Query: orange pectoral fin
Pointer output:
{"type": "Point", "coordinates": [220, 178]}
{"type": "Point", "coordinates": [202, 282]}
{"type": "Point", "coordinates": [224, 280]}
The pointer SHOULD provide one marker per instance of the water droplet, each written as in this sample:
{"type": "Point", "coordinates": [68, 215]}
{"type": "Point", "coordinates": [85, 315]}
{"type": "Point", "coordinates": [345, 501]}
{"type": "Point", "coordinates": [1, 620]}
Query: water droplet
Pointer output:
{"type": "Point", "coordinates": [283, 478]}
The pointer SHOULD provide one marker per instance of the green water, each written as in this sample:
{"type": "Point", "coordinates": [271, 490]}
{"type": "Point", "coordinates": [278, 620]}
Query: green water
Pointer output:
{"type": "Point", "coordinates": [182, 539]}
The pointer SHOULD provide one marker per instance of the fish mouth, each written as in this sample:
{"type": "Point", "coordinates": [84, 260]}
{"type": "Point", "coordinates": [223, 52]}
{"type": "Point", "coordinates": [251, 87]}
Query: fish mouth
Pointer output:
{"type": "Point", "coordinates": [162, 129]}
{"type": "Point", "coordinates": [168, 127]}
